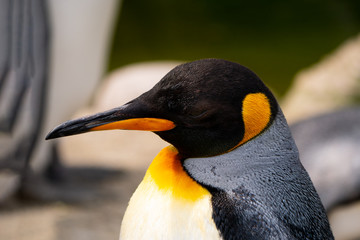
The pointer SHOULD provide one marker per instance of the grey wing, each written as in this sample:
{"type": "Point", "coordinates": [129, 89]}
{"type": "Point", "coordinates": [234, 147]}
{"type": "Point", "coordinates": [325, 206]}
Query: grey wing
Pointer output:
{"type": "Point", "coordinates": [285, 210]}
{"type": "Point", "coordinates": [239, 215]}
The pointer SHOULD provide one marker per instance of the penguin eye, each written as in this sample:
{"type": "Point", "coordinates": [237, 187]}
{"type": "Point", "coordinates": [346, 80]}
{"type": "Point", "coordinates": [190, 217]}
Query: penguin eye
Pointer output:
{"type": "Point", "coordinates": [200, 111]}
{"type": "Point", "coordinates": [199, 115]}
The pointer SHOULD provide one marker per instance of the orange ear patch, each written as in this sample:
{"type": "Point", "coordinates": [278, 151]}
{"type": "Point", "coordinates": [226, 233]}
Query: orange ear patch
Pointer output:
{"type": "Point", "coordinates": [256, 115]}
{"type": "Point", "coordinates": [168, 174]}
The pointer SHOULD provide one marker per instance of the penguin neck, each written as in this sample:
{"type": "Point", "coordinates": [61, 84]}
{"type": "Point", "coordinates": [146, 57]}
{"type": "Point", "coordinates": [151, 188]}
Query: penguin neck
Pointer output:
{"type": "Point", "coordinates": [274, 146]}
{"type": "Point", "coordinates": [168, 201]}
{"type": "Point", "coordinates": [168, 174]}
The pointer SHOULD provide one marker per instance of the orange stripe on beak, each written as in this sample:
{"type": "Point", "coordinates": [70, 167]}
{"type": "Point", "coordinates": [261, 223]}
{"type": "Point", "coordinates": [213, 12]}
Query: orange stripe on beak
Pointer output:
{"type": "Point", "coordinates": [144, 124]}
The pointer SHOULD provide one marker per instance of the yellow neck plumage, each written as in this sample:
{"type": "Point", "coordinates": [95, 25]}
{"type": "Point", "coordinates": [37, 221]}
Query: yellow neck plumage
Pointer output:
{"type": "Point", "coordinates": [169, 175]}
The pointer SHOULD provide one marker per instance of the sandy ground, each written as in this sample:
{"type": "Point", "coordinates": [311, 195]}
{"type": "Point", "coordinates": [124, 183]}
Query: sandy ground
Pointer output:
{"type": "Point", "coordinates": [93, 213]}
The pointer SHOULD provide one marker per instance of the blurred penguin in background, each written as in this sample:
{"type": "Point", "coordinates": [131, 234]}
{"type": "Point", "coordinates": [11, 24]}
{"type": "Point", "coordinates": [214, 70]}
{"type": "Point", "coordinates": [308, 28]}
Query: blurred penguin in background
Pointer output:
{"type": "Point", "coordinates": [45, 45]}
{"type": "Point", "coordinates": [24, 64]}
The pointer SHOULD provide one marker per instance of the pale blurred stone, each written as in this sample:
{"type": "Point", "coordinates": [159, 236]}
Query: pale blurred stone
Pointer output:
{"type": "Point", "coordinates": [330, 84]}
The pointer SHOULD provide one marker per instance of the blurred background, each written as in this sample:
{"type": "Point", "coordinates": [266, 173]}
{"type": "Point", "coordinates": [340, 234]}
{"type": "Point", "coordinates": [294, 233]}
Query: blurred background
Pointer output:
{"type": "Point", "coordinates": [61, 59]}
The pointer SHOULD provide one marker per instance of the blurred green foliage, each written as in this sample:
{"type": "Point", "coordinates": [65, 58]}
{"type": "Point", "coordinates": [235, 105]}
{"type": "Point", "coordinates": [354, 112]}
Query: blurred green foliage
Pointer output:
{"type": "Point", "coordinates": [273, 38]}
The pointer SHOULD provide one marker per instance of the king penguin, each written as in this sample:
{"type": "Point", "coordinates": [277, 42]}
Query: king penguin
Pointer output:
{"type": "Point", "coordinates": [232, 170]}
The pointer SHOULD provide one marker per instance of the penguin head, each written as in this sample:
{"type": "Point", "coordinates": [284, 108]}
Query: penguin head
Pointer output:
{"type": "Point", "coordinates": [203, 108]}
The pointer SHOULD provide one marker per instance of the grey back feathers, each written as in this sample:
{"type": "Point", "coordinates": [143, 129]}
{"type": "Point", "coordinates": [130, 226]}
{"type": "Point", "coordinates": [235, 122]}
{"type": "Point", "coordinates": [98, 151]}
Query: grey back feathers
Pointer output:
{"type": "Point", "coordinates": [261, 191]}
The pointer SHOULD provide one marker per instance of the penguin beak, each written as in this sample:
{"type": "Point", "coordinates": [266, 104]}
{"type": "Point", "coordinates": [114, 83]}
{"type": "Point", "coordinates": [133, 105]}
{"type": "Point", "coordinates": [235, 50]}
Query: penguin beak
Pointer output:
{"type": "Point", "coordinates": [125, 117]}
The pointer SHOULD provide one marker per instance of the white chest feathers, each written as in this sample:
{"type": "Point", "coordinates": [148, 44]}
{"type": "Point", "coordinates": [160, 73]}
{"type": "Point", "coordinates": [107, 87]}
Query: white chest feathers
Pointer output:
{"type": "Point", "coordinates": [169, 205]}
{"type": "Point", "coordinates": [155, 214]}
